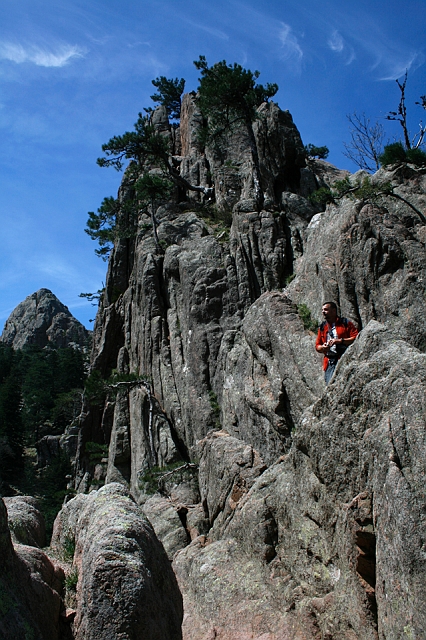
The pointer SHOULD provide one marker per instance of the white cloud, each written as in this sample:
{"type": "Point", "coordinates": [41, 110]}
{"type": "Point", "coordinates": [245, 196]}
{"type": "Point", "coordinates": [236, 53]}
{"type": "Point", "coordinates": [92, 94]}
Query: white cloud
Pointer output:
{"type": "Point", "coordinates": [397, 66]}
{"type": "Point", "coordinates": [41, 57]}
{"type": "Point", "coordinates": [290, 43]}
{"type": "Point", "coordinates": [335, 42]}
{"type": "Point", "coordinates": [217, 33]}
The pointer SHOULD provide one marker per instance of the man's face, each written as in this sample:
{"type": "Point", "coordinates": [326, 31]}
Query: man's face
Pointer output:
{"type": "Point", "coordinates": [329, 313]}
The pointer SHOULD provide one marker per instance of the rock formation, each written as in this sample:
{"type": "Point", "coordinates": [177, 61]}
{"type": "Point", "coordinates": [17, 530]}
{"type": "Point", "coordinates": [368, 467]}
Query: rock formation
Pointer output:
{"type": "Point", "coordinates": [289, 510]}
{"type": "Point", "coordinates": [41, 319]}
{"type": "Point", "coordinates": [310, 508]}
{"type": "Point", "coordinates": [327, 542]}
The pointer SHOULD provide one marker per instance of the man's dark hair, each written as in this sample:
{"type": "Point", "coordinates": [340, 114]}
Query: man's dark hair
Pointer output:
{"type": "Point", "coordinates": [333, 305]}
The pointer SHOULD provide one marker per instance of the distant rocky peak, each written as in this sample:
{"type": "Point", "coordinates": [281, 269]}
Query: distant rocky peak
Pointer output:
{"type": "Point", "coordinates": [42, 319]}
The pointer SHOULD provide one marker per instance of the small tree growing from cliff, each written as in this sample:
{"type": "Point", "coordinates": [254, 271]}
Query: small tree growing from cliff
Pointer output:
{"type": "Point", "coordinates": [227, 96]}
{"type": "Point", "coordinates": [147, 147]}
{"type": "Point", "coordinates": [169, 94]}
{"type": "Point", "coordinates": [101, 226]}
{"type": "Point", "coordinates": [363, 190]}
{"type": "Point", "coordinates": [312, 152]}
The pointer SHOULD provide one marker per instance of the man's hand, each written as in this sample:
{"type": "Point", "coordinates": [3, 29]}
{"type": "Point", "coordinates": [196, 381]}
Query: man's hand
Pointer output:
{"type": "Point", "coordinates": [323, 348]}
{"type": "Point", "coordinates": [334, 341]}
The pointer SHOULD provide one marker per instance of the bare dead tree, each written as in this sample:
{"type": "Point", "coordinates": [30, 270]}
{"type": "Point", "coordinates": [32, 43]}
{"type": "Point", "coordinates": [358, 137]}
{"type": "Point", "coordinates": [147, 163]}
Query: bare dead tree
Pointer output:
{"type": "Point", "coordinates": [400, 115]}
{"type": "Point", "coordinates": [366, 142]}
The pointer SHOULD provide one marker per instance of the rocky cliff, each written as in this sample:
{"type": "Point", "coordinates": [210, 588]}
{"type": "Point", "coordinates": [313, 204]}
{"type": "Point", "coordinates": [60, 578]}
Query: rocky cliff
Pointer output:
{"type": "Point", "coordinates": [290, 510]}
{"type": "Point", "coordinates": [41, 319]}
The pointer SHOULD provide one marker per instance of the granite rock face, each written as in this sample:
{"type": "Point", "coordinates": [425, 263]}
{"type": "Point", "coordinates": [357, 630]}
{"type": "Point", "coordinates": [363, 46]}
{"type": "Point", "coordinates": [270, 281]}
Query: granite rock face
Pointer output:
{"type": "Point", "coordinates": [333, 531]}
{"type": "Point", "coordinates": [370, 259]}
{"type": "Point", "coordinates": [126, 587]}
{"type": "Point", "coordinates": [267, 374]}
{"type": "Point", "coordinates": [41, 319]}
{"type": "Point", "coordinates": [308, 516]}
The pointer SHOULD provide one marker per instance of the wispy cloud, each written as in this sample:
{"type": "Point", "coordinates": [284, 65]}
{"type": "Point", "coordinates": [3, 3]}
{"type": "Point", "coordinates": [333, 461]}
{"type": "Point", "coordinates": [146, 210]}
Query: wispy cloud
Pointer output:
{"type": "Point", "coordinates": [398, 65]}
{"type": "Point", "coordinates": [42, 57]}
{"type": "Point", "coordinates": [217, 33]}
{"type": "Point", "coordinates": [380, 51]}
{"type": "Point", "coordinates": [289, 43]}
{"type": "Point", "coordinates": [337, 44]}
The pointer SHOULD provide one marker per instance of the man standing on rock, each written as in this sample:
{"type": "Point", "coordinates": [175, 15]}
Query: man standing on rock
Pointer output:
{"type": "Point", "coordinates": [335, 335]}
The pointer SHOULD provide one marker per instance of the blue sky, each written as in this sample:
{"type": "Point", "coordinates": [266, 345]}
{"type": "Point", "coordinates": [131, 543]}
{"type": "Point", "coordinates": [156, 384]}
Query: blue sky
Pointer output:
{"type": "Point", "coordinates": [73, 73]}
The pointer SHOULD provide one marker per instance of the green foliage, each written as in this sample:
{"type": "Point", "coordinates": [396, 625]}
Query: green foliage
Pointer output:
{"type": "Point", "coordinates": [169, 94]}
{"type": "Point", "coordinates": [342, 187]}
{"type": "Point", "coordinates": [151, 188]}
{"type": "Point", "coordinates": [145, 148]}
{"type": "Point", "coordinates": [95, 387]}
{"type": "Point", "coordinates": [290, 278]}
{"type": "Point", "coordinates": [312, 151]}
{"type": "Point", "coordinates": [417, 157]}
{"type": "Point", "coordinates": [393, 154]}
{"type": "Point", "coordinates": [71, 580]}
{"type": "Point", "coordinates": [229, 94]}
{"type": "Point", "coordinates": [366, 190]}
{"type": "Point", "coordinates": [66, 408]}
{"type": "Point", "coordinates": [219, 219]}
{"type": "Point", "coordinates": [215, 408]}
{"type": "Point", "coordinates": [124, 377]}
{"type": "Point", "coordinates": [321, 197]}
{"type": "Point", "coordinates": [49, 485]}
{"type": "Point", "coordinates": [396, 154]}
{"type": "Point", "coordinates": [101, 226]}
{"type": "Point", "coordinates": [40, 392]}
{"type": "Point", "coordinates": [114, 220]}
{"type": "Point", "coordinates": [68, 547]}
{"type": "Point", "coordinates": [144, 145]}
{"type": "Point", "coordinates": [12, 432]}
{"type": "Point", "coordinates": [305, 316]}
{"type": "Point", "coordinates": [96, 451]}
{"type": "Point", "coordinates": [94, 298]}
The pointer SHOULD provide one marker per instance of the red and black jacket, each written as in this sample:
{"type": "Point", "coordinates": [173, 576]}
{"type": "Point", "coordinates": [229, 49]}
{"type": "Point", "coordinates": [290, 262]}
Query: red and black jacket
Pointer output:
{"type": "Point", "coordinates": [344, 329]}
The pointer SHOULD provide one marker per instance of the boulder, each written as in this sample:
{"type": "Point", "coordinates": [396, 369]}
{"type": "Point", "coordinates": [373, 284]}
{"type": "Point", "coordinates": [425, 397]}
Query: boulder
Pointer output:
{"type": "Point", "coordinates": [26, 523]}
{"type": "Point", "coordinates": [228, 468]}
{"type": "Point", "coordinates": [126, 587]}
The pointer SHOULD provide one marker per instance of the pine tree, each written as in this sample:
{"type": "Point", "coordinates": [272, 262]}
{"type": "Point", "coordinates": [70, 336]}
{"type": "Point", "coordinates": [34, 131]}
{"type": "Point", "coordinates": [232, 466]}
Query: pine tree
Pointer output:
{"type": "Point", "coordinates": [228, 96]}
{"type": "Point", "coordinates": [169, 94]}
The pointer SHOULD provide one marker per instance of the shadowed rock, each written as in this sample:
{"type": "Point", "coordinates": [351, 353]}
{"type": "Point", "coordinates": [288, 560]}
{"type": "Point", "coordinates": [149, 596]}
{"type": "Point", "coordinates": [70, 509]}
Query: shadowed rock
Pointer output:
{"type": "Point", "coordinates": [31, 586]}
